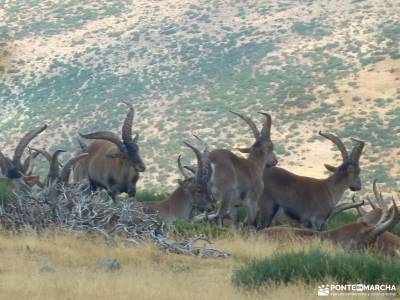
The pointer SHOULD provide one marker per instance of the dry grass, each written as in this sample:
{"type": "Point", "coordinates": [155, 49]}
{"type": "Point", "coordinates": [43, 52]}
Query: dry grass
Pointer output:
{"type": "Point", "coordinates": [146, 273]}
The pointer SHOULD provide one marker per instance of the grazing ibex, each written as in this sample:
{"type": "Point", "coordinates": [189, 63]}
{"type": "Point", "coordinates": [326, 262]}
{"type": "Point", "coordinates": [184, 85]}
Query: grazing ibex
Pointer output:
{"type": "Point", "coordinates": [112, 163]}
{"type": "Point", "coordinates": [355, 236]}
{"type": "Point", "coordinates": [237, 181]}
{"type": "Point", "coordinates": [14, 168]}
{"type": "Point", "coordinates": [193, 192]}
{"type": "Point", "coordinates": [310, 200]}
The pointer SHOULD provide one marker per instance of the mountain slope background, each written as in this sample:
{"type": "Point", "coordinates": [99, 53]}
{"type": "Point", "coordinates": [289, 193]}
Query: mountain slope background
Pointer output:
{"type": "Point", "coordinates": [326, 65]}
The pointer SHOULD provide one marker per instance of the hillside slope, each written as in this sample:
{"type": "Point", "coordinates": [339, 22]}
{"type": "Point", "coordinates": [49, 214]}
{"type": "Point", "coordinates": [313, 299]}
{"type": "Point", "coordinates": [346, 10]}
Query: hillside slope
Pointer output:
{"type": "Point", "coordinates": [326, 65]}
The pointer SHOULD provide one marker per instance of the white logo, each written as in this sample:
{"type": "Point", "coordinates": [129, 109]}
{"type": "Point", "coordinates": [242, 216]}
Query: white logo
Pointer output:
{"type": "Point", "coordinates": [359, 289]}
{"type": "Point", "coordinates": [323, 290]}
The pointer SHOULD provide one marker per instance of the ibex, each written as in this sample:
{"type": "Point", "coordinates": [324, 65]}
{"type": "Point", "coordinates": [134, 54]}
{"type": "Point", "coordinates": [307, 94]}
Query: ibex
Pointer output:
{"type": "Point", "coordinates": [58, 177]}
{"type": "Point", "coordinates": [112, 163]}
{"type": "Point", "coordinates": [310, 200]}
{"type": "Point", "coordinates": [356, 236]}
{"type": "Point", "coordinates": [237, 181]}
{"type": "Point", "coordinates": [388, 242]}
{"type": "Point", "coordinates": [14, 169]}
{"type": "Point", "coordinates": [192, 192]}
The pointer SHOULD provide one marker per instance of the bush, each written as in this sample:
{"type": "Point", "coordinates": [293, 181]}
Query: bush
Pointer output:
{"type": "Point", "coordinates": [150, 196]}
{"type": "Point", "coordinates": [317, 266]}
{"type": "Point", "coordinates": [341, 219]}
{"type": "Point", "coordinates": [188, 230]}
{"type": "Point", "coordinates": [6, 191]}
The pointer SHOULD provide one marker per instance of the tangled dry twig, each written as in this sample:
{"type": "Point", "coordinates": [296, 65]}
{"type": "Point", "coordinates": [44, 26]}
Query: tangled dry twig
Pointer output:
{"type": "Point", "coordinates": [77, 209]}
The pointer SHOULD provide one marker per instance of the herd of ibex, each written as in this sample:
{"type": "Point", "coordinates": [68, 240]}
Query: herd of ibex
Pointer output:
{"type": "Point", "coordinates": [221, 178]}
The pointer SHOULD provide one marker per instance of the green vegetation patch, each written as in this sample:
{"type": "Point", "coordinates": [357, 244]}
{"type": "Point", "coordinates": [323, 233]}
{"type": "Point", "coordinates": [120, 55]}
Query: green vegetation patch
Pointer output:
{"type": "Point", "coordinates": [6, 191]}
{"type": "Point", "coordinates": [312, 28]}
{"type": "Point", "coordinates": [317, 266]}
{"type": "Point", "coordinates": [188, 230]}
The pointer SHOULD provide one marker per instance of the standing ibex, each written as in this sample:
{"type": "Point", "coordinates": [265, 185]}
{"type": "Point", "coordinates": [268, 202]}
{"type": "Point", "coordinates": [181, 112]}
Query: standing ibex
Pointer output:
{"type": "Point", "coordinates": [237, 181]}
{"type": "Point", "coordinates": [310, 200]}
{"type": "Point", "coordinates": [112, 163]}
{"type": "Point", "coordinates": [193, 192]}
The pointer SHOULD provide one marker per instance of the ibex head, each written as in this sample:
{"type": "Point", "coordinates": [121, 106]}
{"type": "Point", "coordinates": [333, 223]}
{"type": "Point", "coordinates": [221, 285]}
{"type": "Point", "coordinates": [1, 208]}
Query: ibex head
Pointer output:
{"type": "Point", "coordinates": [370, 232]}
{"type": "Point", "coordinates": [14, 169]}
{"type": "Point", "coordinates": [197, 187]}
{"type": "Point", "coordinates": [350, 167]}
{"type": "Point", "coordinates": [128, 149]}
{"type": "Point", "coordinates": [376, 211]}
{"type": "Point", "coordinates": [262, 146]}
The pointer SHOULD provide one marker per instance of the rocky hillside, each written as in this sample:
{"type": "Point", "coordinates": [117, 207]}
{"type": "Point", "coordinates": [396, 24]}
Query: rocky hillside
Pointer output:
{"type": "Point", "coordinates": [314, 65]}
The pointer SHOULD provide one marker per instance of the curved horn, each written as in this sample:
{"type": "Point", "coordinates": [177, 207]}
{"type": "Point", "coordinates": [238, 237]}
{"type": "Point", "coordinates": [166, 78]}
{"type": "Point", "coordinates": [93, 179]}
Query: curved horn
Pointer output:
{"type": "Point", "coordinates": [357, 150]}
{"type": "Point", "coordinates": [82, 145]}
{"type": "Point", "coordinates": [66, 170]}
{"type": "Point", "coordinates": [206, 149]}
{"type": "Point", "coordinates": [19, 150]}
{"type": "Point", "coordinates": [190, 169]}
{"type": "Point", "coordinates": [373, 206]}
{"type": "Point", "coordinates": [43, 152]}
{"type": "Point", "coordinates": [334, 139]}
{"type": "Point", "coordinates": [181, 168]}
{"type": "Point", "coordinates": [344, 206]}
{"type": "Point", "coordinates": [249, 122]}
{"type": "Point", "coordinates": [127, 126]}
{"type": "Point", "coordinates": [360, 211]}
{"type": "Point", "coordinates": [266, 129]}
{"type": "Point", "coordinates": [28, 163]}
{"type": "Point", "coordinates": [199, 176]}
{"type": "Point", "coordinates": [54, 170]}
{"type": "Point", "coordinates": [207, 169]}
{"type": "Point", "coordinates": [386, 223]}
{"type": "Point", "coordinates": [105, 135]}
{"type": "Point", "coordinates": [379, 198]}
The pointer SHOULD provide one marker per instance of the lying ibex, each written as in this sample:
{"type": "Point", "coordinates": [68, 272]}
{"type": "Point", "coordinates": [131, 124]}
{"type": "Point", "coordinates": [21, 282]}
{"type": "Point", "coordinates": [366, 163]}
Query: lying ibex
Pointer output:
{"type": "Point", "coordinates": [356, 236]}
{"type": "Point", "coordinates": [237, 181]}
{"type": "Point", "coordinates": [388, 242]}
{"type": "Point", "coordinates": [193, 192]}
{"type": "Point", "coordinates": [310, 200]}
{"type": "Point", "coordinates": [112, 163]}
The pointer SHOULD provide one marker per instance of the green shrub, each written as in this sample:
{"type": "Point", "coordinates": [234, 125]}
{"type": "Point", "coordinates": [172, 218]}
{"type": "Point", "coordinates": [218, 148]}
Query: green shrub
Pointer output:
{"type": "Point", "coordinates": [341, 219]}
{"type": "Point", "coordinates": [6, 191]}
{"type": "Point", "coordinates": [189, 230]}
{"type": "Point", "coordinates": [316, 266]}
{"type": "Point", "coordinates": [150, 196]}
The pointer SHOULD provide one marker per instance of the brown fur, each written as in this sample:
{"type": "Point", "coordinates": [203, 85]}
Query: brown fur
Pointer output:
{"type": "Point", "coordinates": [237, 181]}
{"type": "Point", "coordinates": [180, 203]}
{"type": "Point", "coordinates": [309, 200]}
{"type": "Point", "coordinates": [112, 173]}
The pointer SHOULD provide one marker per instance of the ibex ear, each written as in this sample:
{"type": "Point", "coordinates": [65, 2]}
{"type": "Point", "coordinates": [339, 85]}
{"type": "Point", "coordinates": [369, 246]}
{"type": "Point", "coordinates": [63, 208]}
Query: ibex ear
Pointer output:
{"type": "Point", "coordinates": [243, 150]}
{"type": "Point", "coordinates": [330, 168]}
{"type": "Point", "coordinates": [115, 154]}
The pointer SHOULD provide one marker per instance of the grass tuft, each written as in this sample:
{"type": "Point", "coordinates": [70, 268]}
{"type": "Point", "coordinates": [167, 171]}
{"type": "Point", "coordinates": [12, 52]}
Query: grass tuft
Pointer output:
{"type": "Point", "coordinates": [316, 266]}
